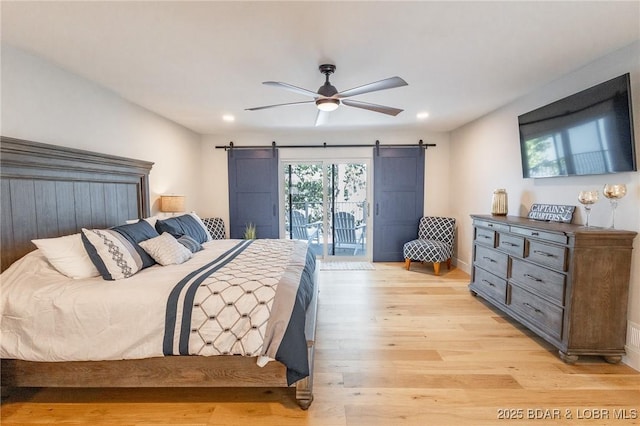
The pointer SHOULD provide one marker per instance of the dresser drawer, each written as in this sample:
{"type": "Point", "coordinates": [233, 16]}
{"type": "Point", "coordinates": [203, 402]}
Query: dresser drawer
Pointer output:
{"type": "Point", "coordinates": [489, 285]}
{"type": "Point", "coordinates": [543, 314]}
{"type": "Point", "coordinates": [543, 235]}
{"type": "Point", "coordinates": [491, 225]}
{"type": "Point", "coordinates": [512, 244]}
{"type": "Point", "coordinates": [491, 260]}
{"type": "Point", "coordinates": [540, 280]}
{"type": "Point", "coordinates": [546, 254]}
{"type": "Point", "coordinates": [485, 236]}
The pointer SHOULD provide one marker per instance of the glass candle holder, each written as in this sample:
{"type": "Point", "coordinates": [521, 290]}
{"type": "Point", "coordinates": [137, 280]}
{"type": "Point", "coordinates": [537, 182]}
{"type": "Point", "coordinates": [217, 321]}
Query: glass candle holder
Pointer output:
{"type": "Point", "coordinates": [614, 192]}
{"type": "Point", "coordinates": [499, 206]}
{"type": "Point", "coordinates": [587, 199]}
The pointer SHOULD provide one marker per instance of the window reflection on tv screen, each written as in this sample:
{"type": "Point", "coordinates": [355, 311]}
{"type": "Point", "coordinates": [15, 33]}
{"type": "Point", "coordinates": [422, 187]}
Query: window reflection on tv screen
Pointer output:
{"type": "Point", "coordinates": [588, 133]}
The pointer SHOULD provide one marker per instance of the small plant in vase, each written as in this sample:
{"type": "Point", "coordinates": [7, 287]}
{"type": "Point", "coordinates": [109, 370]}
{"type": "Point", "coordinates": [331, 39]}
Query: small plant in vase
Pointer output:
{"type": "Point", "coordinates": [250, 232]}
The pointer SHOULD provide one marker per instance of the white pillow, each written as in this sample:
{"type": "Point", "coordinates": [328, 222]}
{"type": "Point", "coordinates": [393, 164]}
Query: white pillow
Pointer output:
{"type": "Point", "coordinates": [166, 250]}
{"type": "Point", "coordinates": [151, 220]}
{"type": "Point", "coordinates": [68, 255]}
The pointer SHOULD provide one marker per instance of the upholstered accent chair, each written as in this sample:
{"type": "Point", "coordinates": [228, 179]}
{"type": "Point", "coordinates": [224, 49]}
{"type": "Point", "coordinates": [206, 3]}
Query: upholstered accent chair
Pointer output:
{"type": "Point", "coordinates": [215, 226]}
{"type": "Point", "coordinates": [434, 243]}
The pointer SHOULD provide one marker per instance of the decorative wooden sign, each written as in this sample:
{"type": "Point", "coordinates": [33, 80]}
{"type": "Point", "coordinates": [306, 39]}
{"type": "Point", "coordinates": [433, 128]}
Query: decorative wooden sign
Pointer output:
{"type": "Point", "coordinates": [551, 212]}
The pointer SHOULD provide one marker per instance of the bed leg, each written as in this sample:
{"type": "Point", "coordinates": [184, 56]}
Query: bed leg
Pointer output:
{"type": "Point", "coordinates": [304, 387]}
{"type": "Point", "coordinates": [304, 393]}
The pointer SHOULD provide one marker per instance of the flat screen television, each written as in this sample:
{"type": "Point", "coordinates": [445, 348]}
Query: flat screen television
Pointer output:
{"type": "Point", "coordinates": [588, 133]}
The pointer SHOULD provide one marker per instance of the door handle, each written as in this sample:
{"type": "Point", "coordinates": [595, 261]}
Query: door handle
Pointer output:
{"type": "Point", "coordinates": [377, 209]}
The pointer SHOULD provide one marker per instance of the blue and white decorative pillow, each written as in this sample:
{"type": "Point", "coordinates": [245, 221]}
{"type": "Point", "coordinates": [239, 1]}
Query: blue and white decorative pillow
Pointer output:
{"type": "Point", "coordinates": [136, 232]}
{"type": "Point", "coordinates": [190, 243]}
{"type": "Point", "coordinates": [166, 250]}
{"type": "Point", "coordinates": [188, 224]}
{"type": "Point", "coordinates": [112, 254]}
{"type": "Point", "coordinates": [201, 223]}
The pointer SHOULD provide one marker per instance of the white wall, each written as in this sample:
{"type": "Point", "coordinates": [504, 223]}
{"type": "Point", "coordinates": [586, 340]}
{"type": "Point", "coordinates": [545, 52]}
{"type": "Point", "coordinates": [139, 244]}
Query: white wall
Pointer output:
{"type": "Point", "coordinates": [43, 103]}
{"type": "Point", "coordinates": [486, 155]}
{"type": "Point", "coordinates": [214, 161]}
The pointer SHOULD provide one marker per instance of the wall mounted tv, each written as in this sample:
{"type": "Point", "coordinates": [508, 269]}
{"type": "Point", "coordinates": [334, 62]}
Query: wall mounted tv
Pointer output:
{"type": "Point", "coordinates": [588, 133]}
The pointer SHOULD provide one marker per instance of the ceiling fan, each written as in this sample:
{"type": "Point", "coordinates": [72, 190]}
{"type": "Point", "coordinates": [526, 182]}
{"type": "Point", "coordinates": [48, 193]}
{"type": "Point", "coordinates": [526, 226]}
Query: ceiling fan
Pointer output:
{"type": "Point", "coordinates": [327, 98]}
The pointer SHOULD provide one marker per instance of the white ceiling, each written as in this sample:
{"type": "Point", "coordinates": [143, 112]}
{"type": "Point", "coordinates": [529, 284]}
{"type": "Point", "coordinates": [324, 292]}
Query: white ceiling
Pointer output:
{"type": "Point", "coordinates": [192, 62]}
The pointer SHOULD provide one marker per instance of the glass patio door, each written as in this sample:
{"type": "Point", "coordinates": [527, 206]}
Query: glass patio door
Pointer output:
{"type": "Point", "coordinates": [326, 205]}
{"type": "Point", "coordinates": [304, 204]}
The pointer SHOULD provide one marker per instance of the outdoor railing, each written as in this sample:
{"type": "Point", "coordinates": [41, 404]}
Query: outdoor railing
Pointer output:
{"type": "Point", "coordinates": [313, 210]}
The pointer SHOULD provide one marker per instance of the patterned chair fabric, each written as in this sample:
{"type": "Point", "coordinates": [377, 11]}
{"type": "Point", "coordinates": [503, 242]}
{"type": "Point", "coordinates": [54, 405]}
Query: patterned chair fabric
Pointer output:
{"type": "Point", "coordinates": [215, 226]}
{"type": "Point", "coordinates": [434, 243]}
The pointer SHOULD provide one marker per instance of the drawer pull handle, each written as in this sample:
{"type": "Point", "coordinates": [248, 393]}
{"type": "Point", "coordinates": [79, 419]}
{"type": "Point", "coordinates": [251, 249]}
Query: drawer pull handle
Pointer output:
{"type": "Point", "coordinates": [536, 310]}
{"type": "Point", "coordinates": [489, 259]}
{"type": "Point", "coordinates": [535, 234]}
{"type": "Point", "coordinates": [490, 283]}
{"type": "Point", "coordinates": [544, 253]}
{"type": "Point", "coordinates": [507, 243]}
{"type": "Point", "coordinates": [486, 236]}
{"type": "Point", "coordinates": [490, 225]}
{"type": "Point", "coordinates": [531, 277]}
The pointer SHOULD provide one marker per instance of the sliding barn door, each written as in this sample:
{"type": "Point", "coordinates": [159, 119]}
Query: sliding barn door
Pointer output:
{"type": "Point", "coordinates": [398, 184]}
{"type": "Point", "coordinates": [253, 191]}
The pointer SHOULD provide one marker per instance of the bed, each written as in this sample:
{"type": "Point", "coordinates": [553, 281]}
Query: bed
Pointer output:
{"type": "Point", "coordinates": [49, 191]}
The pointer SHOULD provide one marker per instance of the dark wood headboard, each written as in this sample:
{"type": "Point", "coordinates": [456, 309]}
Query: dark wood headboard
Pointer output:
{"type": "Point", "coordinates": [49, 191]}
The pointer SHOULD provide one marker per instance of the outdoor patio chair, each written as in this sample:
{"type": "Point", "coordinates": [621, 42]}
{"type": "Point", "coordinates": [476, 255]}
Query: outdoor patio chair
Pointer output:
{"type": "Point", "coordinates": [301, 229]}
{"type": "Point", "coordinates": [347, 234]}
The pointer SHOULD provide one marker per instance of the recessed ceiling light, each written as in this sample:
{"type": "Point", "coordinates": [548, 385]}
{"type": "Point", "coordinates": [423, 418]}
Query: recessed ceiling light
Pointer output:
{"type": "Point", "coordinates": [228, 118]}
{"type": "Point", "coordinates": [422, 115]}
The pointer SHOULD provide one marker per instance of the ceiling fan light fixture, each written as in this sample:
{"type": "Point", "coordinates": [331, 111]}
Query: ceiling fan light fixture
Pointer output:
{"type": "Point", "coordinates": [327, 104]}
{"type": "Point", "coordinates": [328, 99]}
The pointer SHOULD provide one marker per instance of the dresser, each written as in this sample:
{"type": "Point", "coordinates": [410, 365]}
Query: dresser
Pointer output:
{"type": "Point", "coordinates": [567, 283]}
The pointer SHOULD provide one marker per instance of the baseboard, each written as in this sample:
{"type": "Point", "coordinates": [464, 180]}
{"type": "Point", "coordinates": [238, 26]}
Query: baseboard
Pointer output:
{"type": "Point", "coordinates": [632, 358]}
{"type": "Point", "coordinates": [464, 266]}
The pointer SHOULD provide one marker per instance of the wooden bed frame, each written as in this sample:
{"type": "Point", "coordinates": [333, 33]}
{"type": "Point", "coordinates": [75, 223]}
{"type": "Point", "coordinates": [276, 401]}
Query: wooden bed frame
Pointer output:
{"type": "Point", "coordinates": [48, 191]}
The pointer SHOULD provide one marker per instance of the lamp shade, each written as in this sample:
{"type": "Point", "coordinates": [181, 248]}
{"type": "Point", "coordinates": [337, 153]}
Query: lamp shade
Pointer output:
{"type": "Point", "coordinates": [171, 203]}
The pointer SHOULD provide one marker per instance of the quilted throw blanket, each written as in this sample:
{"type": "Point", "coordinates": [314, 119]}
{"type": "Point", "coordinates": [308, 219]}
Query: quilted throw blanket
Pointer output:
{"type": "Point", "coordinates": [249, 301]}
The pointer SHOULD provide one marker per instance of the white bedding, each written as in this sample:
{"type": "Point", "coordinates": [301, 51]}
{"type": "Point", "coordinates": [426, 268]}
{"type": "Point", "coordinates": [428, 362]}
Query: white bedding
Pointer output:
{"type": "Point", "coordinates": [99, 320]}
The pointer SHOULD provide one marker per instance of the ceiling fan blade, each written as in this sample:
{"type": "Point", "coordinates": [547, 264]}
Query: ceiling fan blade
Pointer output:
{"type": "Point", "coordinates": [387, 83]}
{"type": "Point", "coordinates": [278, 105]}
{"type": "Point", "coordinates": [321, 118]}
{"type": "Point", "coordinates": [292, 88]}
{"type": "Point", "coordinates": [372, 107]}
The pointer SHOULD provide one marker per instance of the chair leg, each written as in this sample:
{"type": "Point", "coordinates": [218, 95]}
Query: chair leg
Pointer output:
{"type": "Point", "coordinates": [436, 268]}
{"type": "Point", "coordinates": [449, 263]}
{"type": "Point", "coordinates": [407, 263]}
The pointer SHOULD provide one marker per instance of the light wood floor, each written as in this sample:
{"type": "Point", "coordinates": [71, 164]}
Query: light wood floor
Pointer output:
{"type": "Point", "coordinates": [393, 348]}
